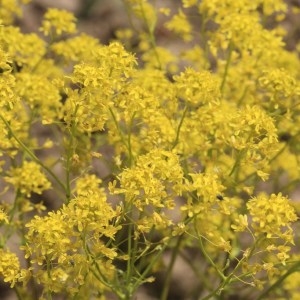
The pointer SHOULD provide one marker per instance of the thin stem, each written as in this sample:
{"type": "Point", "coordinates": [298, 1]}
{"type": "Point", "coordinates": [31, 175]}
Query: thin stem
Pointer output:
{"type": "Point", "coordinates": [32, 155]}
{"type": "Point", "coordinates": [19, 295]}
{"type": "Point", "coordinates": [236, 163]}
{"type": "Point", "coordinates": [151, 37]}
{"type": "Point", "coordinates": [118, 128]}
{"type": "Point", "coordinates": [230, 278]}
{"type": "Point", "coordinates": [230, 48]}
{"type": "Point", "coordinates": [179, 127]}
{"type": "Point", "coordinates": [130, 260]}
{"type": "Point", "coordinates": [69, 153]}
{"type": "Point", "coordinates": [49, 294]}
{"type": "Point", "coordinates": [240, 101]}
{"type": "Point", "coordinates": [278, 282]}
{"type": "Point", "coordinates": [208, 258]}
{"type": "Point", "coordinates": [129, 139]}
{"type": "Point", "coordinates": [168, 276]}
{"type": "Point", "coordinates": [151, 264]}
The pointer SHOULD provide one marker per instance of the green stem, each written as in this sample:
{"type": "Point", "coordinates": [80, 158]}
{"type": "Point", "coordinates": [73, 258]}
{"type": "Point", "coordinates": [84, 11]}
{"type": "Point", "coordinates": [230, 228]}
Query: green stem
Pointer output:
{"type": "Point", "coordinates": [127, 143]}
{"type": "Point", "coordinates": [32, 155]}
{"type": "Point", "coordinates": [278, 282]}
{"type": "Point", "coordinates": [100, 276]}
{"type": "Point", "coordinates": [130, 260]}
{"type": "Point", "coordinates": [86, 7]}
{"type": "Point", "coordinates": [166, 287]}
{"type": "Point", "coordinates": [240, 101]}
{"type": "Point", "coordinates": [151, 36]}
{"type": "Point", "coordinates": [129, 139]}
{"type": "Point", "coordinates": [179, 127]}
{"type": "Point", "coordinates": [49, 294]}
{"type": "Point", "coordinates": [18, 294]}
{"type": "Point", "coordinates": [150, 265]}
{"type": "Point", "coordinates": [230, 48]}
{"type": "Point", "coordinates": [208, 258]}
{"type": "Point", "coordinates": [69, 153]}
{"type": "Point", "coordinates": [118, 128]}
{"type": "Point", "coordinates": [228, 279]}
{"type": "Point", "coordinates": [236, 163]}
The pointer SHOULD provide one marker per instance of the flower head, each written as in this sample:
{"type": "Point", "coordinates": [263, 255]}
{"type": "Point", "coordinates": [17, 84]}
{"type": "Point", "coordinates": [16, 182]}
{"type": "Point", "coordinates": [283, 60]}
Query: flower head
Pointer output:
{"type": "Point", "coordinates": [272, 216]}
{"type": "Point", "coordinates": [28, 179]}
{"type": "Point", "coordinates": [57, 22]}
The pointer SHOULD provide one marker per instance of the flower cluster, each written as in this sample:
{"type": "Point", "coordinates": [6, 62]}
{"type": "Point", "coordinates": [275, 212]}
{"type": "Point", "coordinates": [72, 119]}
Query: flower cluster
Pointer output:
{"type": "Point", "coordinates": [272, 216]}
{"type": "Point", "coordinates": [70, 242]}
{"type": "Point", "coordinates": [152, 180]}
{"type": "Point", "coordinates": [9, 266]}
{"type": "Point", "coordinates": [153, 156]}
{"type": "Point", "coordinates": [10, 9]}
{"type": "Point", "coordinates": [28, 179]}
{"type": "Point", "coordinates": [57, 22]}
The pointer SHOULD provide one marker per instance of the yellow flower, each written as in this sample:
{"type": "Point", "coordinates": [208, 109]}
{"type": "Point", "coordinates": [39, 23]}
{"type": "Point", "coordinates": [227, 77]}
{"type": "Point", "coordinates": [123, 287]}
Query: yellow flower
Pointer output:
{"type": "Point", "coordinates": [84, 110]}
{"type": "Point", "coordinates": [8, 96]}
{"type": "Point", "coordinates": [181, 26]}
{"type": "Point", "coordinates": [198, 88]}
{"type": "Point", "coordinates": [70, 241]}
{"type": "Point", "coordinates": [9, 267]}
{"type": "Point", "coordinates": [272, 216]}
{"type": "Point", "coordinates": [28, 179]}
{"type": "Point", "coordinates": [144, 11]}
{"type": "Point", "coordinates": [254, 135]}
{"type": "Point", "coordinates": [3, 216]}
{"type": "Point", "coordinates": [57, 22]}
{"type": "Point", "coordinates": [279, 86]}
{"type": "Point", "coordinates": [270, 7]}
{"type": "Point", "coordinates": [153, 181]}
{"type": "Point", "coordinates": [76, 49]}
{"type": "Point", "coordinates": [189, 3]}
{"type": "Point", "coordinates": [9, 9]}
{"type": "Point", "coordinates": [207, 186]}
{"type": "Point", "coordinates": [40, 94]}
{"type": "Point", "coordinates": [240, 224]}
{"type": "Point", "coordinates": [5, 61]}
{"type": "Point", "coordinates": [87, 184]}
{"type": "Point", "coordinates": [160, 58]}
{"type": "Point", "coordinates": [25, 49]}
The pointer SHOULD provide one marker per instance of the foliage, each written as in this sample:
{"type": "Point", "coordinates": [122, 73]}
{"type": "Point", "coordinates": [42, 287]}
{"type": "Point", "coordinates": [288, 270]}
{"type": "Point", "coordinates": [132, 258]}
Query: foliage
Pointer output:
{"type": "Point", "coordinates": [201, 147]}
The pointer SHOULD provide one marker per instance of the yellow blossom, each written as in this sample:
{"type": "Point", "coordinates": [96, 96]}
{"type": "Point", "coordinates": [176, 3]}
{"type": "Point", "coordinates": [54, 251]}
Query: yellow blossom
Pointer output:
{"type": "Point", "coordinates": [272, 216]}
{"type": "Point", "coordinates": [7, 94]}
{"type": "Point", "coordinates": [76, 49]}
{"type": "Point", "coordinates": [9, 9]}
{"type": "Point", "coordinates": [57, 22]}
{"type": "Point", "coordinates": [9, 267]}
{"type": "Point", "coordinates": [40, 94]}
{"type": "Point", "coordinates": [87, 184]}
{"type": "Point", "coordinates": [160, 58]}
{"type": "Point", "coordinates": [241, 224]}
{"type": "Point", "coordinates": [165, 11]}
{"type": "Point", "coordinates": [207, 186]}
{"type": "Point", "coordinates": [152, 180]}
{"type": "Point", "coordinates": [143, 10]}
{"type": "Point", "coordinates": [28, 179]}
{"type": "Point", "coordinates": [5, 61]}
{"type": "Point", "coordinates": [186, 135]}
{"type": "Point", "coordinates": [198, 87]}
{"type": "Point", "coordinates": [26, 49]}
{"type": "Point", "coordinates": [189, 3]}
{"type": "Point", "coordinates": [181, 26]}
{"type": "Point", "coordinates": [280, 86]}
{"type": "Point", "coordinates": [3, 216]}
